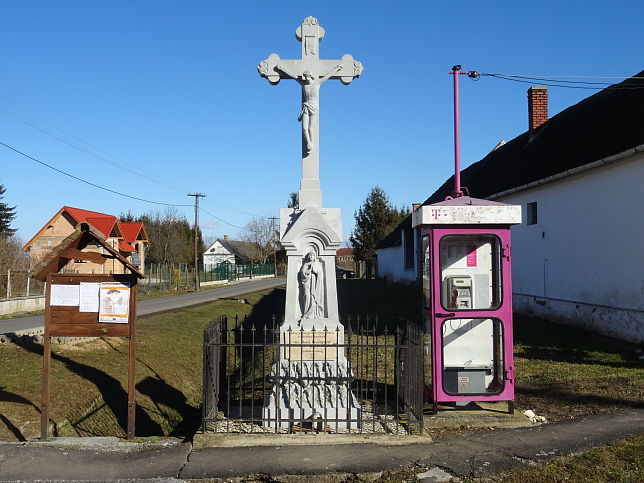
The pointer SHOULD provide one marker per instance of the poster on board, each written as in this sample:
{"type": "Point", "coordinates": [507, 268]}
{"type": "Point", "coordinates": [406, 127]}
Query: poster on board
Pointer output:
{"type": "Point", "coordinates": [64, 295]}
{"type": "Point", "coordinates": [114, 302]}
{"type": "Point", "coordinates": [89, 295]}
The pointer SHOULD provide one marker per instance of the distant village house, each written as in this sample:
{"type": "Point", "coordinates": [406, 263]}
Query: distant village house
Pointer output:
{"type": "Point", "coordinates": [229, 251]}
{"type": "Point", "coordinates": [129, 239]}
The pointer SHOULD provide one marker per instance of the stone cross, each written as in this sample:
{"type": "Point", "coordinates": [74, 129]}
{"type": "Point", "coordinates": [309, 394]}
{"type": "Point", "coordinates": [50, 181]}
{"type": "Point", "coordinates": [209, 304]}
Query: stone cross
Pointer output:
{"type": "Point", "coordinates": [310, 72]}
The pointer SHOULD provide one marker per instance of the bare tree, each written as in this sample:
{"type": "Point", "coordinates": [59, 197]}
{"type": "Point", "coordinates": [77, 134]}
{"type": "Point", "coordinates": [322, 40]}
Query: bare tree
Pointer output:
{"type": "Point", "coordinates": [261, 233]}
{"type": "Point", "coordinates": [11, 258]}
{"type": "Point", "coordinates": [171, 237]}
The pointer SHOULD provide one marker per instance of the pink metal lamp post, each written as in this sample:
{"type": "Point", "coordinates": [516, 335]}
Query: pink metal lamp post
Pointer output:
{"type": "Point", "coordinates": [467, 293]}
{"type": "Point", "coordinates": [456, 71]}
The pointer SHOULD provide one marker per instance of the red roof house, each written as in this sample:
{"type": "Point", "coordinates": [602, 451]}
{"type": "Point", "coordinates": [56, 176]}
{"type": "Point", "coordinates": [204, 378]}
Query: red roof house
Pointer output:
{"type": "Point", "coordinates": [128, 238]}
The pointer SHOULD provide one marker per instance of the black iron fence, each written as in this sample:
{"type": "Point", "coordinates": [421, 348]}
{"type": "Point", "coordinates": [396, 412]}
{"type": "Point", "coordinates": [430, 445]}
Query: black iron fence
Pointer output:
{"type": "Point", "coordinates": [363, 377]}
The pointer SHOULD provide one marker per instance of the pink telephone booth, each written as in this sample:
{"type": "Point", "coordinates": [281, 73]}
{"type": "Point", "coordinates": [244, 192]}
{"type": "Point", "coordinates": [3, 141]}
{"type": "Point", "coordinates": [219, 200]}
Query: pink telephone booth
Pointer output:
{"type": "Point", "coordinates": [467, 298]}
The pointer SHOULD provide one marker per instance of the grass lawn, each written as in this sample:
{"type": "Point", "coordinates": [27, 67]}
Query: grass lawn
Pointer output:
{"type": "Point", "coordinates": [561, 372]}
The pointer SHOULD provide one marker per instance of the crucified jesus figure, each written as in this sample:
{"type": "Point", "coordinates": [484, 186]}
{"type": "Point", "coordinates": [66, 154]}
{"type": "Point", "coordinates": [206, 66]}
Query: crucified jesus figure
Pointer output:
{"type": "Point", "coordinates": [310, 99]}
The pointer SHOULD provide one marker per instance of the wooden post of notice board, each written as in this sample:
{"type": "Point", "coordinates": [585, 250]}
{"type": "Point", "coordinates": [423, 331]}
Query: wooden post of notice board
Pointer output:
{"type": "Point", "coordinates": [131, 371]}
{"type": "Point", "coordinates": [46, 371]}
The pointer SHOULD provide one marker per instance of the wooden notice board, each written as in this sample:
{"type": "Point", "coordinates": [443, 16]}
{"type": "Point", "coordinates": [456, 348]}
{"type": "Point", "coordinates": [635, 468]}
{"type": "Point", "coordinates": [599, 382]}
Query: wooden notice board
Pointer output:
{"type": "Point", "coordinates": [72, 311]}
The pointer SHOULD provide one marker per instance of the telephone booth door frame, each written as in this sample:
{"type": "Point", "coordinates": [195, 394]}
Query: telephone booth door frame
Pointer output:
{"type": "Point", "coordinates": [498, 316]}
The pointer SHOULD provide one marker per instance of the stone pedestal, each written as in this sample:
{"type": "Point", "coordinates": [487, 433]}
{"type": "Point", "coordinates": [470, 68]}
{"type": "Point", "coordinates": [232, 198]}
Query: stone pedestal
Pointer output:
{"type": "Point", "coordinates": [312, 377]}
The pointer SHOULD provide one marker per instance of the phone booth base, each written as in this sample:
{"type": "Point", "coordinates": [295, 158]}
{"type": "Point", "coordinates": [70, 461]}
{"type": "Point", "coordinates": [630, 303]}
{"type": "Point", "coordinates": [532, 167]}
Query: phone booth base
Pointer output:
{"type": "Point", "coordinates": [467, 299]}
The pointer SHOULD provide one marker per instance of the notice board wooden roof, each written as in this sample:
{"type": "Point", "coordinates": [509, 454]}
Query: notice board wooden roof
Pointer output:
{"type": "Point", "coordinates": [71, 248]}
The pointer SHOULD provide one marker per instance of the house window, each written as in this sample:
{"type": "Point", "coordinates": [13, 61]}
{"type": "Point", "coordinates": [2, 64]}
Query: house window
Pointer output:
{"type": "Point", "coordinates": [409, 248]}
{"type": "Point", "coordinates": [531, 213]}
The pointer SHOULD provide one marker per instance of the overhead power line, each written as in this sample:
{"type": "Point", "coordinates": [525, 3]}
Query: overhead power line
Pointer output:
{"type": "Point", "coordinates": [220, 219]}
{"type": "Point", "coordinates": [229, 208]}
{"type": "Point", "coordinates": [75, 142]}
{"type": "Point", "coordinates": [85, 181]}
{"type": "Point", "coordinates": [560, 81]}
{"type": "Point", "coordinates": [34, 121]}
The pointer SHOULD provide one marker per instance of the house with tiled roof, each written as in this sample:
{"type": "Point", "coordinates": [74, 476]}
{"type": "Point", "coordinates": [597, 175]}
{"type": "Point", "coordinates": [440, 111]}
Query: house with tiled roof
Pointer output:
{"type": "Point", "coordinates": [578, 176]}
{"type": "Point", "coordinates": [129, 239]}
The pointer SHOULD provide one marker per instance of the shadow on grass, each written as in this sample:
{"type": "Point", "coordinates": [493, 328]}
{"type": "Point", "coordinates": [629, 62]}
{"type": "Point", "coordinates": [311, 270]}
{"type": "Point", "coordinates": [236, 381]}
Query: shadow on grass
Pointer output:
{"type": "Point", "coordinates": [268, 306]}
{"type": "Point", "coordinates": [560, 396]}
{"type": "Point", "coordinates": [6, 396]}
{"type": "Point", "coordinates": [113, 394]}
{"type": "Point", "coordinates": [387, 300]}
{"type": "Point", "coordinates": [161, 393]}
{"type": "Point", "coordinates": [538, 339]}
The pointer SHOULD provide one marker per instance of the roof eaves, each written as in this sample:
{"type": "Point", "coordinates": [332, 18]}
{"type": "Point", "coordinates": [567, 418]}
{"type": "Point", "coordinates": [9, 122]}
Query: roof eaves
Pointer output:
{"type": "Point", "coordinates": [570, 172]}
{"type": "Point", "coordinates": [37, 235]}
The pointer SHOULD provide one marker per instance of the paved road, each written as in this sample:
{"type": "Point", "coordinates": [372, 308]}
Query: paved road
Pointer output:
{"type": "Point", "coordinates": [479, 455]}
{"type": "Point", "coordinates": [153, 306]}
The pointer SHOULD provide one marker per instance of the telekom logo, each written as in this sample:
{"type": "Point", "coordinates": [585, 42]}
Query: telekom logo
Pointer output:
{"type": "Point", "coordinates": [436, 213]}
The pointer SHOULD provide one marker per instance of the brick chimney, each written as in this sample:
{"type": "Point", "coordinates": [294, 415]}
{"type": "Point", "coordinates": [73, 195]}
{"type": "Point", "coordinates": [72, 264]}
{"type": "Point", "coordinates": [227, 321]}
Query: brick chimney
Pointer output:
{"type": "Point", "coordinates": [415, 206]}
{"type": "Point", "coordinates": [225, 237]}
{"type": "Point", "coordinates": [537, 106]}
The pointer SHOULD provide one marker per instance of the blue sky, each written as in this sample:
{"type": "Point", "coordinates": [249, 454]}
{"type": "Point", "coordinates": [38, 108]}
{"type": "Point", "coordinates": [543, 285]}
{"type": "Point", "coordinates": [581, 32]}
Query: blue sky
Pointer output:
{"type": "Point", "coordinates": [167, 97]}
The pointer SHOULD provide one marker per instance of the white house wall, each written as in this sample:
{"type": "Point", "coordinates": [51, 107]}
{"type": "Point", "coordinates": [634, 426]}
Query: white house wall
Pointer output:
{"type": "Point", "coordinates": [391, 264]}
{"type": "Point", "coordinates": [582, 262]}
{"type": "Point", "coordinates": [216, 254]}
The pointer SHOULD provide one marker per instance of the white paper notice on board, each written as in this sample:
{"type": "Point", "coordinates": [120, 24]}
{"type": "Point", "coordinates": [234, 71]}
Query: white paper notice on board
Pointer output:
{"type": "Point", "coordinates": [66, 295]}
{"type": "Point", "coordinates": [89, 293]}
{"type": "Point", "coordinates": [114, 300]}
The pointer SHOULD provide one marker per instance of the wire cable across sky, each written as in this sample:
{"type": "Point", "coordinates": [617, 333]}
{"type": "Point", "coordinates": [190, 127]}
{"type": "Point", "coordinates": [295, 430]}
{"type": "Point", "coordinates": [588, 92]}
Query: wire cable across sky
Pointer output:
{"type": "Point", "coordinates": [560, 81]}
{"type": "Point", "coordinates": [89, 182]}
{"type": "Point", "coordinates": [220, 219]}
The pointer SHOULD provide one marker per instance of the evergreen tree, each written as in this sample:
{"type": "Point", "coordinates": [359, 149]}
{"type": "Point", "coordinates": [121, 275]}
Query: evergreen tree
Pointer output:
{"type": "Point", "coordinates": [294, 201]}
{"type": "Point", "coordinates": [375, 219]}
{"type": "Point", "coordinates": [7, 214]}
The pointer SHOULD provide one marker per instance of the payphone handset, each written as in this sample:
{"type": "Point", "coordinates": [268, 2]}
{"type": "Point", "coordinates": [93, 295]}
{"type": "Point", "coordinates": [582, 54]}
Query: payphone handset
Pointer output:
{"type": "Point", "coordinates": [459, 292]}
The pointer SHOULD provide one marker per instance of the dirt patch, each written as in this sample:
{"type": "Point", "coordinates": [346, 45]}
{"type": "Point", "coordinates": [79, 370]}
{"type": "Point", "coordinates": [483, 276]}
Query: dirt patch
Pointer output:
{"type": "Point", "coordinates": [90, 344]}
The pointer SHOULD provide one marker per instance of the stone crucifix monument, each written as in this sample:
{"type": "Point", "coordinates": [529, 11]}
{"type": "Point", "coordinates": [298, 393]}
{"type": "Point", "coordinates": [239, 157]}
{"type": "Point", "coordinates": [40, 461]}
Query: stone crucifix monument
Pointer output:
{"type": "Point", "coordinates": [314, 377]}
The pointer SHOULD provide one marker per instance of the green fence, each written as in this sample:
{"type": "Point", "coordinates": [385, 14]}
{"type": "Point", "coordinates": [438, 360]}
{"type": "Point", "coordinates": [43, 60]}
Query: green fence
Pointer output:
{"type": "Point", "coordinates": [231, 272]}
{"type": "Point", "coordinates": [181, 276]}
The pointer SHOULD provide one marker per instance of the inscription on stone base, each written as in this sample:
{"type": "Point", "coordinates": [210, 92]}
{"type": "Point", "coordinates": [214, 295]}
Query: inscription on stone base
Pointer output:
{"type": "Point", "coordinates": [309, 345]}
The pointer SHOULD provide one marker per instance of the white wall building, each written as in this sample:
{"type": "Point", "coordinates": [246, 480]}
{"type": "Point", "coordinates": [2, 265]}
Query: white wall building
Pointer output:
{"type": "Point", "coordinates": [579, 259]}
{"type": "Point", "coordinates": [217, 253]}
{"type": "Point", "coordinates": [228, 251]}
{"type": "Point", "coordinates": [397, 255]}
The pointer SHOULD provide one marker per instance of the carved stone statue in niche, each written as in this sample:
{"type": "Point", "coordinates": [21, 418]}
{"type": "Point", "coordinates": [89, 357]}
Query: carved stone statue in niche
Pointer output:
{"type": "Point", "coordinates": [311, 278]}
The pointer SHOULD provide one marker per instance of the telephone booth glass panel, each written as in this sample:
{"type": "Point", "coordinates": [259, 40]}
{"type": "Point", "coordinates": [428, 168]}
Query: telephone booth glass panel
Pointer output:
{"type": "Point", "coordinates": [472, 356]}
{"type": "Point", "coordinates": [427, 289]}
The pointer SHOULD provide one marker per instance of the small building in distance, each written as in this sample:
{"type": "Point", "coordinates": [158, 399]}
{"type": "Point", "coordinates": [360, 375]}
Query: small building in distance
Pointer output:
{"type": "Point", "coordinates": [229, 251]}
{"type": "Point", "coordinates": [128, 238]}
{"type": "Point", "coordinates": [344, 258]}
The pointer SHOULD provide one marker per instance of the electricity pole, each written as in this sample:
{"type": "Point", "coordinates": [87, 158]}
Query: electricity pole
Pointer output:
{"type": "Point", "coordinates": [197, 196]}
{"type": "Point", "coordinates": [275, 241]}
